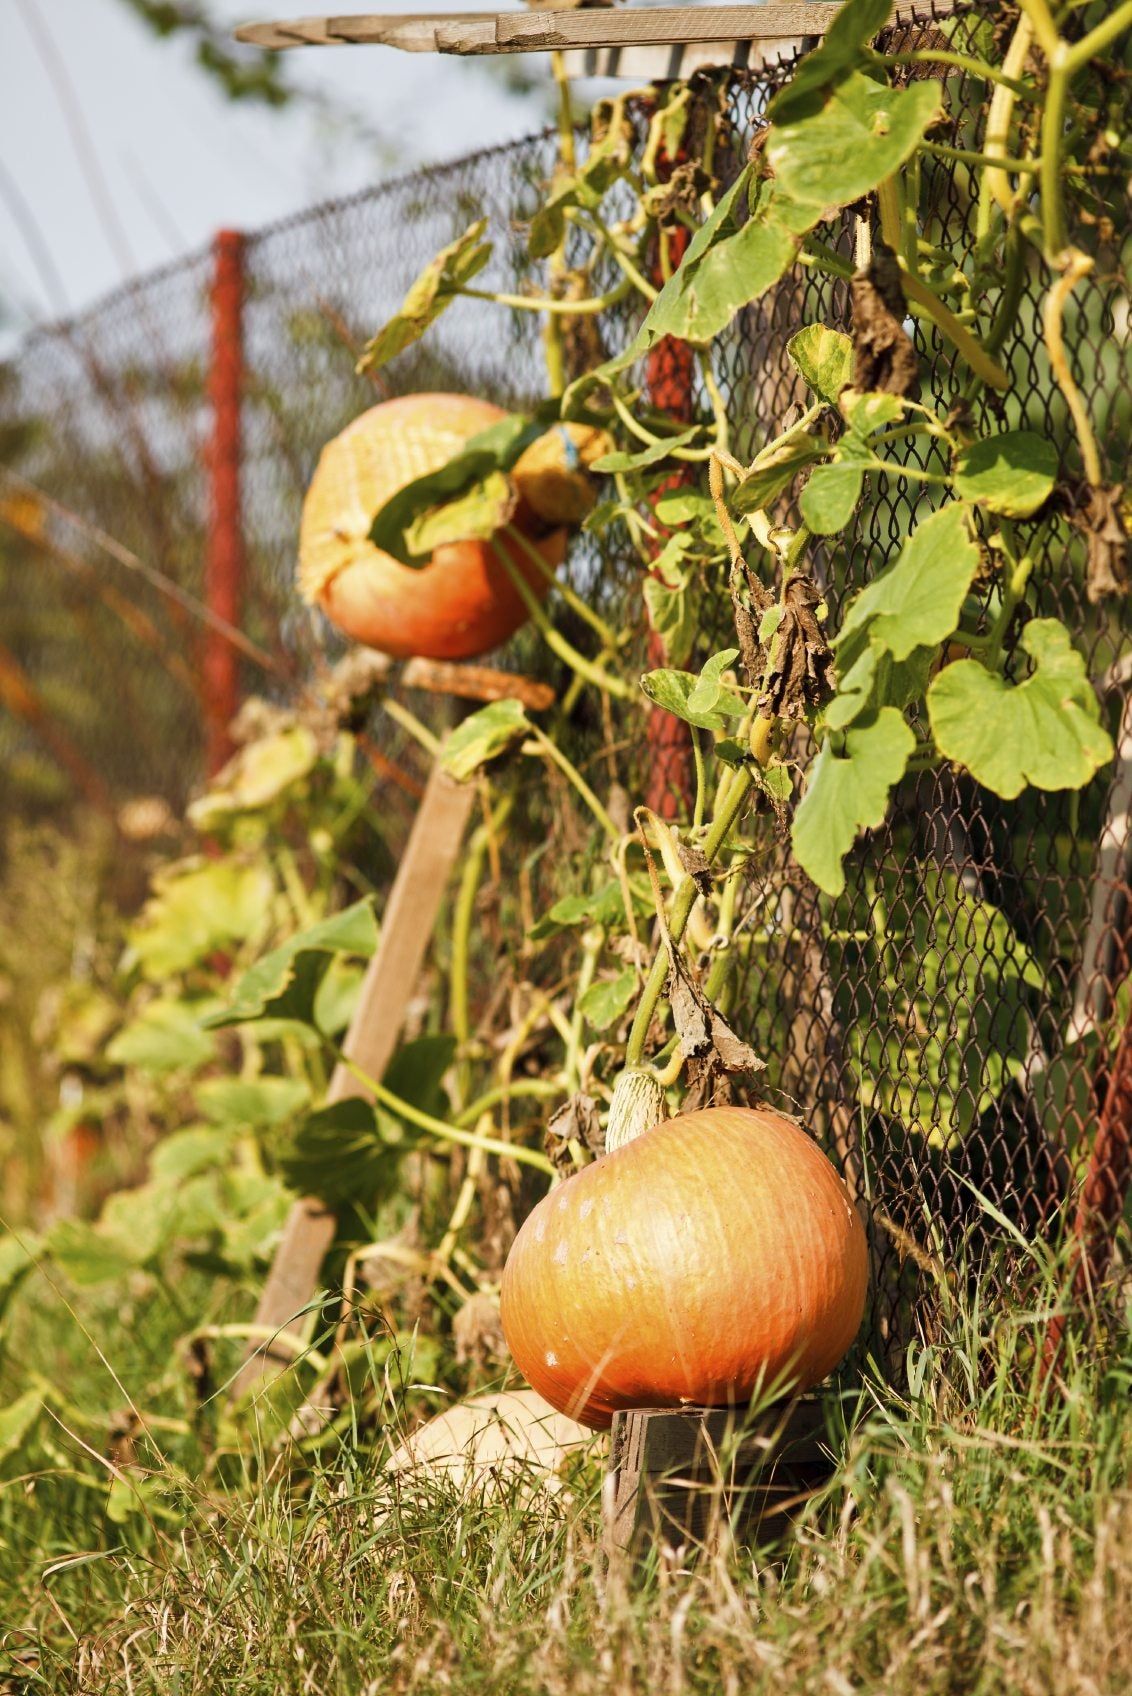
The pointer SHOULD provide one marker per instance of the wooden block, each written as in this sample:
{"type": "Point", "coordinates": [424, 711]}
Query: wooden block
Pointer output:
{"type": "Point", "coordinates": [678, 1475]}
{"type": "Point", "coordinates": [662, 25]}
{"type": "Point", "coordinates": [391, 976]}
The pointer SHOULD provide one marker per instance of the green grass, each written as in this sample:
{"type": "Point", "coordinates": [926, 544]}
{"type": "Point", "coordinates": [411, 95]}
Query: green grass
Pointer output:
{"type": "Point", "coordinates": [977, 1539]}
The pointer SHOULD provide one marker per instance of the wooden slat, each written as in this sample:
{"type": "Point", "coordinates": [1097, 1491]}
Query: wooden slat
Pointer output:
{"type": "Point", "coordinates": [661, 25]}
{"type": "Point", "coordinates": [391, 977]}
{"type": "Point", "coordinates": [400, 29]}
{"type": "Point", "coordinates": [536, 32]}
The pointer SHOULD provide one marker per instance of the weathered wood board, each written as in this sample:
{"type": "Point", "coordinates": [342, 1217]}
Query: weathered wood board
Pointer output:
{"type": "Point", "coordinates": [676, 1476]}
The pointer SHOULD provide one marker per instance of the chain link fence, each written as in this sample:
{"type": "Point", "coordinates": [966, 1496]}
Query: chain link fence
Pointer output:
{"type": "Point", "coordinates": [952, 1025]}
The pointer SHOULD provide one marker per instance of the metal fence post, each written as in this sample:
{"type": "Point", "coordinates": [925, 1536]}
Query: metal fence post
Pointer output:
{"type": "Point", "coordinates": [225, 557]}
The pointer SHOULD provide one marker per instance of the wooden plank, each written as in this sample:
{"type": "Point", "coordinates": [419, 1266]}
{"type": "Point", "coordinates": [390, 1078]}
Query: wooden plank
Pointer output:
{"type": "Point", "coordinates": [536, 32]}
{"type": "Point", "coordinates": [676, 1475]}
{"type": "Point", "coordinates": [662, 25]}
{"type": "Point", "coordinates": [391, 977]}
{"type": "Point", "coordinates": [359, 30]}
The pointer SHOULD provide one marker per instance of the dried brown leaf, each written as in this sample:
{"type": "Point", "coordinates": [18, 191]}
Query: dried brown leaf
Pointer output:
{"type": "Point", "coordinates": [884, 356]}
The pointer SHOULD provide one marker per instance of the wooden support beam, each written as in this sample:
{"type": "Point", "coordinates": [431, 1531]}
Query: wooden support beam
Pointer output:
{"type": "Point", "coordinates": [540, 32]}
{"type": "Point", "coordinates": [391, 977]}
{"type": "Point", "coordinates": [677, 1475]}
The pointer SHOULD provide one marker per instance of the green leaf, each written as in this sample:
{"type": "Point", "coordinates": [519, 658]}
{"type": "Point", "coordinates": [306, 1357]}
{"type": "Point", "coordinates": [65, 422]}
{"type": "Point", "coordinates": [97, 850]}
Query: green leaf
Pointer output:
{"type": "Point", "coordinates": [402, 526]}
{"type": "Point", "coordinates": [251, 1102]}
{"type": "Point", "coordinates": [680, 693]}
{"type": "Point", "coordinates": [940, 1008]}
{"type": "Point", "coordinates": [337, 995]}
{"type": "Point", "coordinates": [847, 793]}
{"type": "Point", "coordinates": [774, 469]}
{"type": "Point", "coordinates": [671, 605]}
{"type": "Point", "coordinates": [824, 358]}
{"type": "Point", "coordinates": [839, 52]}
{"type": "Point", "coordinates": [866, 410]}
{"type": "Point", "coordinates": [339, 1155]}
{"type": "Point", "coordinates": [1045, 731]}
{"type": "Point", "coordinates": [830, 497]}
{"type": "Point", "coordinates": [17, 1259]}
{"type": "Point", "coordinates": [711, 698]}
{"type": "Point", "coordinates": [197, 1148]}
{"type": "Point", "coordinates": [875, 679]}
{"type": "Point", "coordinates": [483, 737]}
{"type": "Point", "coordinates": [416, 1070]}
{"type": "Point", "coordinates": [831, 148]}
{"type": "Point", "coordinates": [437, 286]}
{"type": "Point", "coordinates": [88, 1256]}
{"type": "Point", "coordinates": [727, 265]}
{"type": "Point", "coordinates": [916, 603]}
{"type": "Point", "coordinates": [284, 982]}
{"type": "Point", "coordinates": [196, 911]}
{"type": "Point", "coordinates": [17, 1421]}
{"type": "Point", "coordinates": [642, 457]}
{"type": "Point", "coordinates": [602, 907]}
{"type": "Point", "coordinates": [1012, 474]}
{"type": "Point", "coordinates": [474, 516]}
{"type": "Point", "coordinates": [165, 1037]}
{"type": "Point", "coordinates": [605, 1002]}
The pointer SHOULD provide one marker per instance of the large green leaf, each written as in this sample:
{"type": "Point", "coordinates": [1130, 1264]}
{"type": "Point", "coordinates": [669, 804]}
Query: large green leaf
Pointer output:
{"type": "Point", "coordinates": [437, 286]}
{"type": "Point", "coordinates": [1012, 474]}
{"type": "Point", "coordinates": [875, 679]}
{"type": "Point", "coordinates": [847, 792]}
{"type": "Point", "coordinates": [640, 458]}
{"type": "Point", "coordinates": [283, 984]}
{"type": "Point", "coordinates": [834, 146]}
{"type": "Point", "coordinates": [1045, 731]}
{"type": "Point", "coordinates": [340, 1155]}
{"type": "Point", "coordinates": [916, 603]}
{"type": "Point", "coordinates": [484, 736]}
{"type": "Point", "coordinates": [728, 264]}
{"type": "Point", "coordinates": [17, 1260]}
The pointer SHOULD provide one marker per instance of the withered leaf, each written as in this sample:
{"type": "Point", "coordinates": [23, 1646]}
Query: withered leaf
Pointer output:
{"type": "Point", "coordinates": [1107, 571]}
{"type": "Point", "coordinates": [800, 675]}
{"type": "Point", "coordinates": [579, 1121]}
{"type": "Point", "coordinates": [702, 1029]}
{"type": "Point", "coordinates": [884, 356]}
{"type": "Point", "coordinates": [695, 863]}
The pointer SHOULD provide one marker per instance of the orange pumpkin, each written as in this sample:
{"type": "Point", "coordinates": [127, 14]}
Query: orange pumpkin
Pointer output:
{"type": "Point", "coordinates": [462, 601]}
{"type": "Point", "coordinates": [715, 1254]}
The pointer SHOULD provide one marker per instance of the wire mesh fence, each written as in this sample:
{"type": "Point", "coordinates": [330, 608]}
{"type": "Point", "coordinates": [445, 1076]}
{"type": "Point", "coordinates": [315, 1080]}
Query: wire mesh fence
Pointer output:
{"type": "Point", "coordinates": [952, 1024]}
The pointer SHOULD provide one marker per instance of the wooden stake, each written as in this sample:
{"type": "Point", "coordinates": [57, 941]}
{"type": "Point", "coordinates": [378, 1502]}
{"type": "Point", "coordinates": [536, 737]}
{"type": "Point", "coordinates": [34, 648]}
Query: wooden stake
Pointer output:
{"type": "Point", "coordinates": [389, 982]}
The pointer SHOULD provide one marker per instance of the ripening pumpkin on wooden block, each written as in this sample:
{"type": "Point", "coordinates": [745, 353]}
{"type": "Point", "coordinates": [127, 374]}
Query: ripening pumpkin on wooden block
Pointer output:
{"type": "Point", "coordinates": [711, 1258]}
{"type": "Point", "coordinates": [462, 601]}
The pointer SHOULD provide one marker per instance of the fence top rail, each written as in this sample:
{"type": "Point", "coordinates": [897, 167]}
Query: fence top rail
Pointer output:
{"type": "Point", "coordinates": [539, 32]}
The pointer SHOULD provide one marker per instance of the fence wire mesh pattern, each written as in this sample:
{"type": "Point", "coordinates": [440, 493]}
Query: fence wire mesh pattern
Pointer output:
{"type": "Point", "coordinates": [952, 1025]}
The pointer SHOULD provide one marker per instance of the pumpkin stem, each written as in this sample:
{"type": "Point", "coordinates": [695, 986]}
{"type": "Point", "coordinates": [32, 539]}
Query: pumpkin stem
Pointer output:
{"type": "Point", "coordinates": [637, 1105]}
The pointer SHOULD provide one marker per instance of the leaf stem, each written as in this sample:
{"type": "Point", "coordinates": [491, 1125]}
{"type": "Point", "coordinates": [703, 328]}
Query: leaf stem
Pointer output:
{"type": "Point", "coordinates": [1077, 266]}
{"type": "Point", "coordinates": [555, 641]}
{"type": "Point", "coordinates": [573, 600]}
{"type": "Point", "coordinates": [438, 1128]}
{"type": "Point", "coordinates": [684, 898]}
{"type": "Point", "coordinates": [960, 62]}
{"type": "Point", "coordinates": [961, 338]}
{"type": "Point", "coordinates": [574, 777]}
{"type": "Point", "coordinates": [544, 303]}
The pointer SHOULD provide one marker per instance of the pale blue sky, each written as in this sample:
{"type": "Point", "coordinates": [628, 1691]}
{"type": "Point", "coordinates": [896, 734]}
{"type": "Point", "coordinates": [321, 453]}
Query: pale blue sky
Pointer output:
{"type": "Point", "coordinates": [177, 160]}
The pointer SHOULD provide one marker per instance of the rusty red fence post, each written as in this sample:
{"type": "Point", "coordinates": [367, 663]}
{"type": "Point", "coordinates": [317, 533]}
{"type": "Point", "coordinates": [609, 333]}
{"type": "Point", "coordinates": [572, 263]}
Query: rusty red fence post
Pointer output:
{"type": "Point", "coordinates": [225, 557]}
